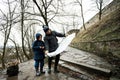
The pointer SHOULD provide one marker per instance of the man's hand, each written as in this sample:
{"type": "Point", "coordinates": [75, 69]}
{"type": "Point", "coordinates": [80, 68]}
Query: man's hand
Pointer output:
{"type": "Point", "coordinates": [46, 52]}
{"type": "Point", "coordinates": [66, 34]}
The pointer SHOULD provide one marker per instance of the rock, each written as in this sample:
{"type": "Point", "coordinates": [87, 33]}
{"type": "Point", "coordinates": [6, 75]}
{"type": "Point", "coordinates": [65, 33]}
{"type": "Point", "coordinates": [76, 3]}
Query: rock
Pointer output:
{"type": "Point", "coordinates": [13, 70]}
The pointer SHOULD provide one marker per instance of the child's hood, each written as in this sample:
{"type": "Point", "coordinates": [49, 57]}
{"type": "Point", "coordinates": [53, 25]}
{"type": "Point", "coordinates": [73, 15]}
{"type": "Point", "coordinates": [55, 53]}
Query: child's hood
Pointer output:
{"type": "Point", "coordinates": [37, 35]}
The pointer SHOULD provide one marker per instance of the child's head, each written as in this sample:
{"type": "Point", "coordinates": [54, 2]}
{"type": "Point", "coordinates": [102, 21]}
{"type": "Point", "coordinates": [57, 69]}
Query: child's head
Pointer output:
{"type": "Point", "coordinates": [38, 36]}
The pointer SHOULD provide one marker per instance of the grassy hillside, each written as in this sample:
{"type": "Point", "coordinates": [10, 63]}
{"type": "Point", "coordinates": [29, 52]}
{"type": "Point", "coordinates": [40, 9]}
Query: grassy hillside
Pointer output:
{"type": "Point", "coordinates": [106, 29]}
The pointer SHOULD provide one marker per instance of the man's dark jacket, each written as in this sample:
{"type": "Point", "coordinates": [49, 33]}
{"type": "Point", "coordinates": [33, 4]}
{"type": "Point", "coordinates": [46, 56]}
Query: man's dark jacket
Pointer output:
{"type": "Point", "coordinates": [51, 41]}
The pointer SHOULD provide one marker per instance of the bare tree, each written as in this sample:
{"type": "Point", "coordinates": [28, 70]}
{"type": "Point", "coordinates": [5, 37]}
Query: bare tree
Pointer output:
{"type": "Point", "coordinates": [30, 38]}
{"type": "Point", "coordinates": [82, 15]}
{"type": "Point", "coordinates": [99, 4]}
{"type": "Point", "coordinates": [17, 51]}
{"type": "Point", "coordinates": [7, 28]}
{"type": "Point", "coordinates": [22, 28]}
{"type": "Point", "coordinates": [44, 9]}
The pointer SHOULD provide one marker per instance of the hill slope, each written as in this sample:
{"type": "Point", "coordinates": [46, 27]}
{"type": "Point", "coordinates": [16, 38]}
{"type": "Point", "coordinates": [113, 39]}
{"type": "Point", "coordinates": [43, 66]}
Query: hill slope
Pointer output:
{"type": "Point", "coordinates": [102, 37]}
{"type": "Point", "coordinates": [105, 30]}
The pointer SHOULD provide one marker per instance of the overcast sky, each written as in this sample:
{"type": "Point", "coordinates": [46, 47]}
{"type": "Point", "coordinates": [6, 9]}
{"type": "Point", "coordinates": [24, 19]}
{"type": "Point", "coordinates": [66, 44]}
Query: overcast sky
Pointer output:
{"type": "Point", "coordinates": [88, 8]}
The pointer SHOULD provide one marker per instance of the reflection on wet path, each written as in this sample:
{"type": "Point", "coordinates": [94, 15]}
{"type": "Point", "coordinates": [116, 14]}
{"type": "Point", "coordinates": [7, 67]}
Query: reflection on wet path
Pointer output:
{"type": "Point", "coordinates": [27, 72]}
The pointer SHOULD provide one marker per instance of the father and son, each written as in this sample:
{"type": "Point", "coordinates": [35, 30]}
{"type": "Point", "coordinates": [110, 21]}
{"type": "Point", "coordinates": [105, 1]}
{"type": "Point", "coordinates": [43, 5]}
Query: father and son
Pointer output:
{"type": "Point", "coordinates": [41, 48]}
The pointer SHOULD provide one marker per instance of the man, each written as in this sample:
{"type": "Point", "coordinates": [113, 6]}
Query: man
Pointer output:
{"type": "Point", "coordinates": [51, 44]}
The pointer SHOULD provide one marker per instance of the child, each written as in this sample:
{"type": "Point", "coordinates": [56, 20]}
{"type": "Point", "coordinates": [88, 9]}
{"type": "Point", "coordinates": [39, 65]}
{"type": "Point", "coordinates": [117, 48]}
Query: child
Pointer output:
{"type": "Point", "coordinates": [38, 50]}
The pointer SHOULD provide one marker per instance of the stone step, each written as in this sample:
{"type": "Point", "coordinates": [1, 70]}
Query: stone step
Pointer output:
{"type": "Point", "coordinates": [73, 68]}
{"type": "Point", "coordinates": [86, 60]}
{"type": "Point", "coordinates": [79, 72]}
{"type": "Point", "coordinates": [98, 69]}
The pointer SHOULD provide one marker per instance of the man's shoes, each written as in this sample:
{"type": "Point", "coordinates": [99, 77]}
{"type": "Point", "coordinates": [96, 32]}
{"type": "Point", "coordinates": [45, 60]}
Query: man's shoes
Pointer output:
{"type": "Point", "coordinates": [56, 71]}
{"type": "Point", "coordinates": [42, 72]}
{"type": "Point", "coordinates": [49, 71]}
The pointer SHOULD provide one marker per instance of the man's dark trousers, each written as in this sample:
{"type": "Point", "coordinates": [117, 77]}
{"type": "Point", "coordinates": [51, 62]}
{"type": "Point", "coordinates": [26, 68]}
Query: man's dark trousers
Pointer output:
{"type": "Point", "coordinates": [57, 58]}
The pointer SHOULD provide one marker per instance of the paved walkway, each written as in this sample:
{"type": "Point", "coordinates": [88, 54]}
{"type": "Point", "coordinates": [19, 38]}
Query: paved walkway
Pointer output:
{"type": "Point", "coordinates": [27, 72]}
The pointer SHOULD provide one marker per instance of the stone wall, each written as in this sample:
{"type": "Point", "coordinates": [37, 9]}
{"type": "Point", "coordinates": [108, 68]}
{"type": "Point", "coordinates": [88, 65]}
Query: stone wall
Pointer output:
{"type": "Point", "coordinates": [103, 48]}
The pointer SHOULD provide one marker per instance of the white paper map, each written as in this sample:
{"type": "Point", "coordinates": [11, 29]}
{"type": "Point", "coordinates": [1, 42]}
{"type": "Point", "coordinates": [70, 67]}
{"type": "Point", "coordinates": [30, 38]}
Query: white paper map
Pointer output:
{"type": "Point", "coordinates": [63, 45]}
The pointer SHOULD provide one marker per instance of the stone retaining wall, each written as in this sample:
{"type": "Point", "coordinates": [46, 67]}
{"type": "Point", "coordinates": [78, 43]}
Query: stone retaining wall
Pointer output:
{"type": "Point", "coordinates": [100, 48]}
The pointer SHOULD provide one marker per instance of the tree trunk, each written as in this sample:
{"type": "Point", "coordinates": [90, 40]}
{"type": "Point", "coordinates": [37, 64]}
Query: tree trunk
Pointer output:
{"type": "Point", "coordinates": [43, 14]}
{"type": "Point", "coordinates": [100, 11]}
{"type": "Point", "coordinates": [2, 59]}
{"type": "Point", "coordinates": [7, 33]}
{"type": "Point", "coordinates": [17, 53]}
{"type": "Point", "coordinates": [22, 28]}
{"type": "Point", "coordinates": [16, 48]}
{"type": "Point", "coordinates": [82, 16]}
{"type": "Point", "coordinates": [80, 3]}
{"type": "Point", "coordinates": [30, 49]}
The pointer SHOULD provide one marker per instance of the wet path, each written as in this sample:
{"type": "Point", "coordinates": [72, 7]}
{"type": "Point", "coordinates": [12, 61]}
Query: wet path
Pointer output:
{"type": "Point", "coordinates": [27, 72]}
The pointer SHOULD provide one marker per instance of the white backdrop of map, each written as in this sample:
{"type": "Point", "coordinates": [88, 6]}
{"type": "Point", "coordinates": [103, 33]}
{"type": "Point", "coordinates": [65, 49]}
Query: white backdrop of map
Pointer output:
{"type": "Point", "coordinates": [63, 45]}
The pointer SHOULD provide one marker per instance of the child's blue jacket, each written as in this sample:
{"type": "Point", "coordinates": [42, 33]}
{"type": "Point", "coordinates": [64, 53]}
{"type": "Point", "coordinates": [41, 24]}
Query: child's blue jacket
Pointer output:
{"type": "Point", "coordinates": [38, 52]}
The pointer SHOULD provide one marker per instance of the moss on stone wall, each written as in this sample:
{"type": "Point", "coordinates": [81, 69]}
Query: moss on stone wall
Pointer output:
{"type": "Point", "coordinates": [100, 48]}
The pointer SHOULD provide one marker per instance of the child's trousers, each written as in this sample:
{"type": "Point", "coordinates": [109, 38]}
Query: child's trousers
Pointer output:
{"type": "Point", "coordinates": [38, 63]}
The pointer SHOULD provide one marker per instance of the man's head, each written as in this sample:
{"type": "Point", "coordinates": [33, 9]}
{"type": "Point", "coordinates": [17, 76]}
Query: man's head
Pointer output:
{"type": "Point", "coordinates": [38, 36]}
{"type": "Point", "coordinates": [46, 30]}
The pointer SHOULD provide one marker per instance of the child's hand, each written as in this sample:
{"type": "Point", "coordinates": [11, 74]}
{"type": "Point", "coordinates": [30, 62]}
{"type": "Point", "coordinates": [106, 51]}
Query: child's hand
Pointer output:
{"type": "Point", "coordinates": [42, 47]}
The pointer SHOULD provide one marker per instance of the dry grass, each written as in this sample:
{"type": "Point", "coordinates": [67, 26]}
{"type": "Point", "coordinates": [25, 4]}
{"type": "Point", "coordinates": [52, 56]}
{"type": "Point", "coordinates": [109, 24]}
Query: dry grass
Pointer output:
{"type": "Point", "coordinates": [106, 29]}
